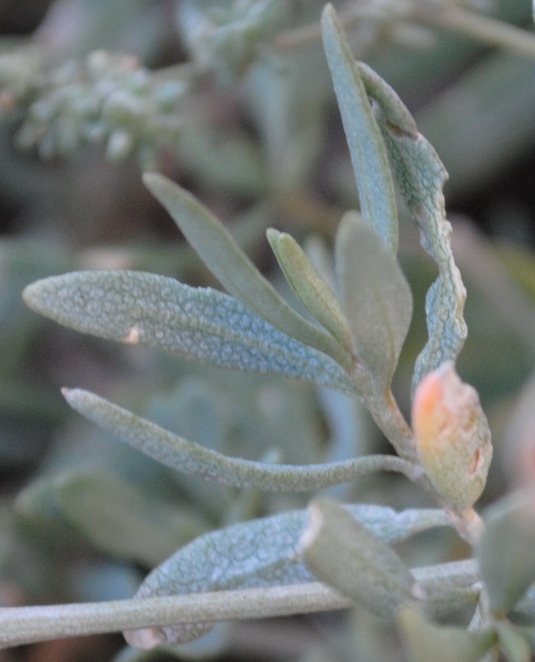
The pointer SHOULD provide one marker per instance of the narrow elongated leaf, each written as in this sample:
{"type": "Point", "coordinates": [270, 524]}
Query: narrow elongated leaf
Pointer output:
{"type": "Point", "coordinates": [260, 553]}
{"type": "Point", "coordinates": [191, 458]}
{"type": "Point", "coordinates": [505, 552]}
{"type": "Point", "coordinates": [424, 641]}
{"type": "Point", "coordinates": [421, 176]}
{"type": "Point", "coordinates": [366, 146]}
{"type": "Point", "coordinates": [136, 528]}
{"type": "Point", "coordinates": [309, 286]}
{"type": "Point", "coordinates": [346, 554]}
{"type": "Point", "coordinates": [198, 323]}
{"type": "Point", "coordinates": [233, 269]}
{"type": "Point", "coordinates": [375, 295]}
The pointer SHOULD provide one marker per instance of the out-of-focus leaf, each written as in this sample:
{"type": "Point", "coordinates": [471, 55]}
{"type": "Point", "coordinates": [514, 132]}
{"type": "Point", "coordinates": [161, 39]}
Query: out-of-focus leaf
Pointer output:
{"type": "Point", "coordinates": [524, 611]}
{"type": "Point", "coordinates": [191, 458]}
{"type": "Point", "coordinates": [481, 123]}
{"type": "Point", "coordinates": [224, 38]}
{"type": "Point", "coordinates": [528, 633]}
{"type": "Point", "coordinates": [425, 641]}
{"type": "Point", "coordinates": [232, 267]}
{"type": "Point", "coordinates": [421, 176]}
{"type": "Point", "coordinates": [287, 98]}
{"type": "Point", "coordinates": [121, 520]}
{"type": "Point", "coordinates": [518, 444]}
{"type": "Point", "coordinates": [308, 285]}
{"type": "Point", "coordinates": [194, 410]}
{"type": "Point", "coordinates": [344, 553]}
{"type": "Point", "coordinates": [200, 323]}
{"type": "Point", "coordinates": [102, 581]}
{"type": "Point", "coordinates": [38, 517]}
{"type": "Point", "coordinates": [519, 262]}
{"type": "Point", "coordinates": [505, 552]}
{"type": "Point", "coordinates": [375, 295]}
{"type": "Point", "coordinates": [240, 415]}
{"type": "Point", "coordinates": [366, 145]}
{"type": "Point", "coordinates": [263, 552]}
{"type": "Point", "coordinates": [21, 262]}
{"type": "Point", "coordinates": [231, 162]}
{"type": "Point", "coordinates": [513, 643]}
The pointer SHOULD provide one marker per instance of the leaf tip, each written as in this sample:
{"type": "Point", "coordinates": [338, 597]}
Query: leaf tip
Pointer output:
{"type": "Point", "coordinates": [272, 235]}
{"type": "Point", "coordinates": [328, 14]}
{"type": "Point", "coordinates": [156, 183]}
{"type": "Point", "coordinates": [30, 294]}
{"type": "Point", "coordinates": [152, 178]}
{"type": "Point", "coordinates": [75, 396]}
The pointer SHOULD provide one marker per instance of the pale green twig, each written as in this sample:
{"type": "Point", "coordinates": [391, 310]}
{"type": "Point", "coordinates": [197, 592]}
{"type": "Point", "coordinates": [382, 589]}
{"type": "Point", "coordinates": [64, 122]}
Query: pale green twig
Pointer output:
{"type": "Point", "coordinates": [24, 625]}
{"type": "Point", "coordinates": [483, 28]}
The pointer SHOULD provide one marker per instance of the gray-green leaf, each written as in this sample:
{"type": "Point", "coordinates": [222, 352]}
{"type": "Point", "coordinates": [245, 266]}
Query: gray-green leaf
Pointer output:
{"type": "Point", "coordinates": [505, 552]}
{"type": "Point", "coordinates": [366, 146]}
{"type": "Point", "coordinates": [528, 633]}
{"type": "Point", "coordinates": [513, 642]}
{"type": "Point", "coordinates": [198, 323]}
{"type": "Point", "coordinates": [191, 458]}
{"type": "Point", "coordinates": [425, 641]}
{"type": "Point", "coordinates": [349, 556]}
{"type": "Point", "coordinates": [421, 176]}
{"type": "Point", "coordinates": [376, 297]}
{"type": "Point", "coordinates": [233, 269]}
{"type": "Point", "coordinates": [260, 553]}
{"type": "Point", "coordinates": [120, 519]}
{"type": "Point", "coordinates": [309, 286]}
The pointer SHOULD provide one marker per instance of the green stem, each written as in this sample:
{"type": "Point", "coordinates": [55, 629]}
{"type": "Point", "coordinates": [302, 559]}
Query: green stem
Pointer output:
{"type": "Point", "coordinates": [483, 28]}
{"type": "Point", "coordinates": [477, 26]}
{"type": "Point", "coordinates": [392, 423]}
{"type": "Point", "coordinates": [24, 625]}
{"type": "Point", "coordinates": [142, 617]}
{"type": "Point", "coordinates": [387, 415]}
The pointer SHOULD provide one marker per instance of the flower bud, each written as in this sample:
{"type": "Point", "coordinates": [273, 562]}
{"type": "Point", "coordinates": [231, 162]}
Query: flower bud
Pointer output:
{"type": "Point", "coordinates": [452, 436]}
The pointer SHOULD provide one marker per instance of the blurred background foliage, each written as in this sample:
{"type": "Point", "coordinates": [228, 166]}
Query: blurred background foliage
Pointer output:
{"type": "Point", "coordinates": [233, 100]}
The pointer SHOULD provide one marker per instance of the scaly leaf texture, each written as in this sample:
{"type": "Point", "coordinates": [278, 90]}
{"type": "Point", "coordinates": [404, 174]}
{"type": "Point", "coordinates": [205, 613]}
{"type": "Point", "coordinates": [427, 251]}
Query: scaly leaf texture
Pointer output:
{"type": "Point", "coordinates": [260, 553]}
{"type": "Point", "coordinates": [197, 323]}
{"type": "Point", "coordinates": [233, 269]}
{"type": "Point", "coordinates": [366, 145]}
{"type": "Point", "coordinates": [421, 176]}
{"type": "Point", "coordinates": [376, 298]}
{"type": "Point", "coordinates": [191, 458]}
